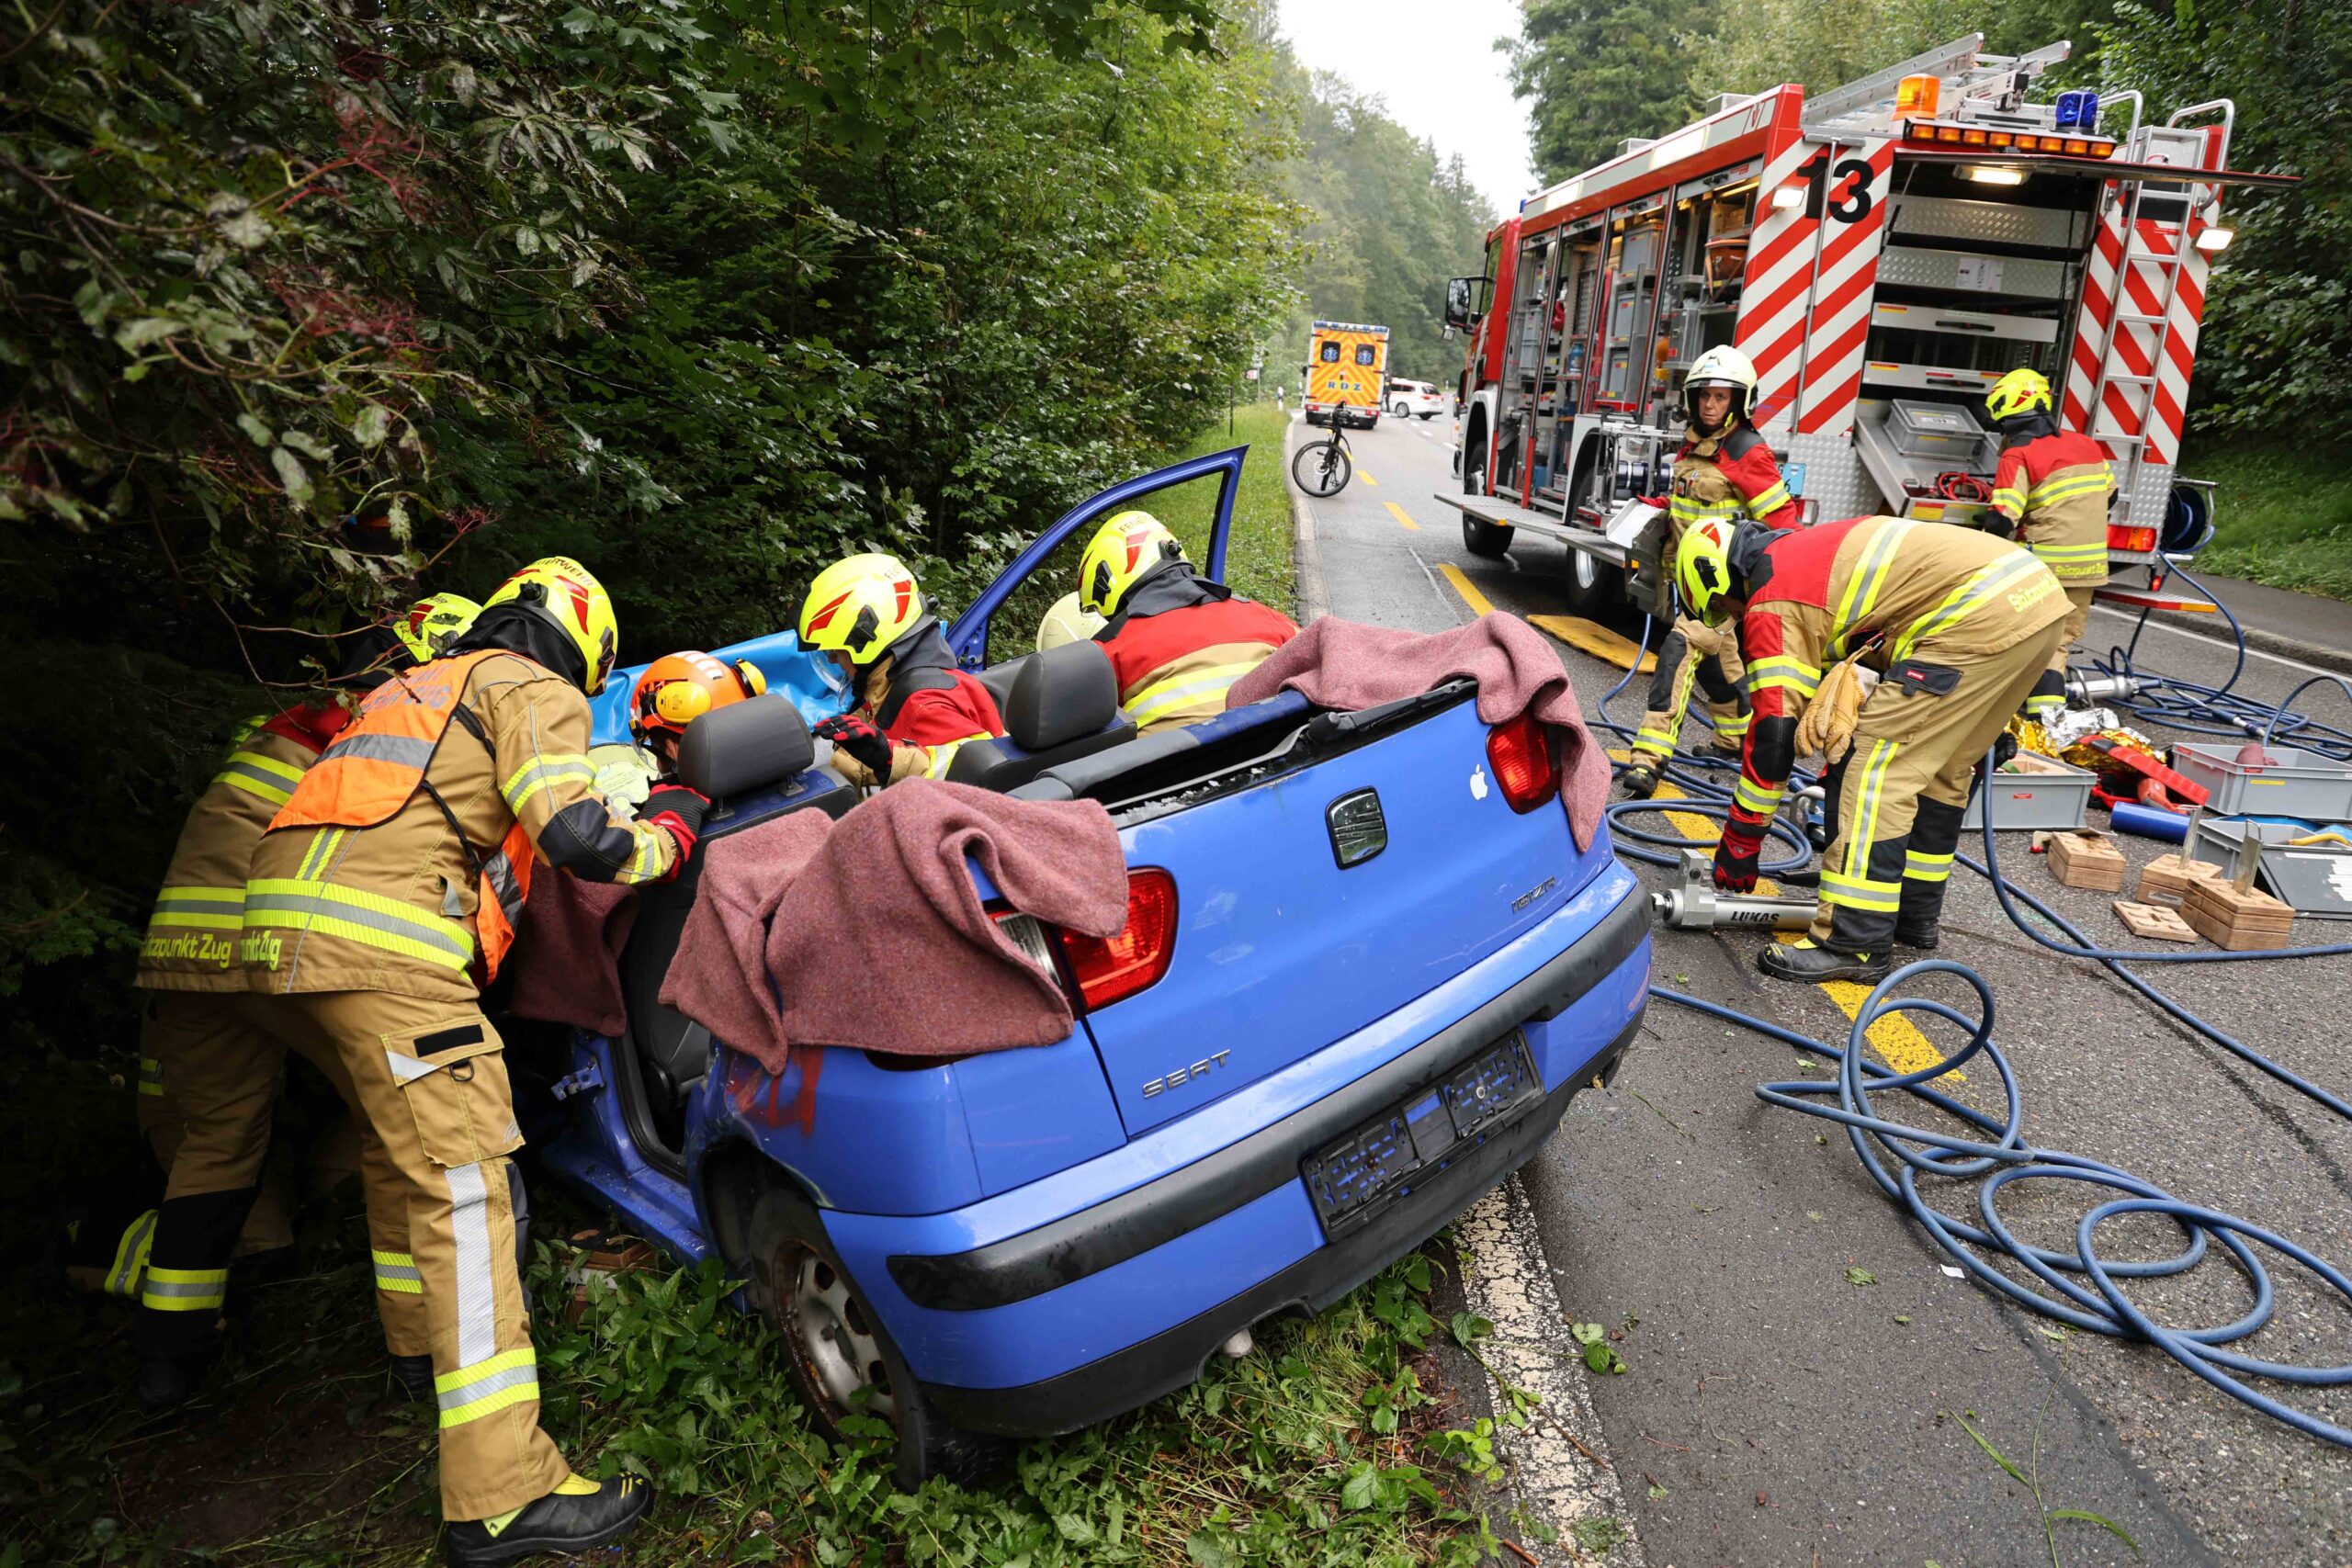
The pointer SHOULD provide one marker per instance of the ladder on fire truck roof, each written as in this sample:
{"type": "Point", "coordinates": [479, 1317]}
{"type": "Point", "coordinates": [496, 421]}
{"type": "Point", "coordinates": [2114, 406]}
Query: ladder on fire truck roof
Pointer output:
{"type": "Point", "coordinates": [1970, 80]}
{"type": "Point", "coordinates": [2168, 256]}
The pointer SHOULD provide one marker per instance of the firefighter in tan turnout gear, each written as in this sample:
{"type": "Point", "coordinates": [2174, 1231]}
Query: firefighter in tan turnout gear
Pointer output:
{"type": "Point", "coordinates": [1724, 472]}
{"type": "Point", "coordinates": [2050, 489]}
{"type": "Point", "coordinates": [380, 902]}
{"type": "Point", "coordinates": [210, 1065]}
{"type": "Point", "coordinates": [1957, 627]}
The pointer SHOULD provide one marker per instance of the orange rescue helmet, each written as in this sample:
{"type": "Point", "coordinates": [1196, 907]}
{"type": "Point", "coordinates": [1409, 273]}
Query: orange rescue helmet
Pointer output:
{"type": "Point", "coordinates": [678, 688]}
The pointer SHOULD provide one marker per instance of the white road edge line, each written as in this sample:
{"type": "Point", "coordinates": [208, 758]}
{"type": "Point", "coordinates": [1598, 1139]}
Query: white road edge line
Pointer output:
{"type": "Point", "coordinates": [1306, 552]}
{"type": "Point", "coordinates": [1507, 1282]}
{"type": "Point", "coordinates": [2222, 643]}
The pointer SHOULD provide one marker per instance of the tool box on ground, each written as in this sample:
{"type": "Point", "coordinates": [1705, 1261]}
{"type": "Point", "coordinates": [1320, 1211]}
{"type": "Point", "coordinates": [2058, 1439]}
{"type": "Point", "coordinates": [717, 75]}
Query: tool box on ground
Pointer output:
{"type": "Point", "coordinates": [2308, 870]}
{"type": "Point", "coordinates": [2033, 791]}
{"type": "Point", "coordinates": [2087, 860]}
{"type": "Point", "coordinates": [2281, 781]}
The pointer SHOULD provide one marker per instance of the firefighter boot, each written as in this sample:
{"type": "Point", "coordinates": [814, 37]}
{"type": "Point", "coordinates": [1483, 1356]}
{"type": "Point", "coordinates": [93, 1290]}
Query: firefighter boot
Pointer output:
{"type": "Point", "coordinates": [2048, 698]}
{"type": "Point", "coordinates": [579, 1515]}
{"type": "Point", "coordinates": [162, 1384]}
{"type": "Point", "coordinates": [1927, 869]}
{"type": "Point", "coordinates": [414, 1375]}
{"type": "Point", "coordinates": [1640, 779]}
{"type": "Point", "coordinates": [1805, 960]}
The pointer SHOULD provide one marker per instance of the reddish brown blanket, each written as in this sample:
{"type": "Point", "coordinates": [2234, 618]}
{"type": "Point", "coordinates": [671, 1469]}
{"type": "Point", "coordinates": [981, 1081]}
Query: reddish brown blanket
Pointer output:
{"type": "Point", "coordinates": [1347, 665]}
{"type": "Point", "coordinates": [875, 933]}
{"type": "Point", "coordinates": [567, 951]}
{"type": "Point", "coordinates": [719, 976]}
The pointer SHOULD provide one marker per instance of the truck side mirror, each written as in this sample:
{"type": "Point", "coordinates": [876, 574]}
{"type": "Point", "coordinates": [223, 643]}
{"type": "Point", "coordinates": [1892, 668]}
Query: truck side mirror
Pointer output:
{"type": "Point", "coordinates": [1459, 300]}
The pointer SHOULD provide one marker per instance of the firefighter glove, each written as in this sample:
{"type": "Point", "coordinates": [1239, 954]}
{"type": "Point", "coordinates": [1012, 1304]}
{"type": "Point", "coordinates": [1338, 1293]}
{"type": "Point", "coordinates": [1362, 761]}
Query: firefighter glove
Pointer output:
{"type": "Point", "coordinates": [1736, 856]}
{"type": "Point", "coordinates": [678, 811]}
{"type": "Point", "coordinates": [866, 745]}
{"type": "Point", "coordinates": [1827, 727]}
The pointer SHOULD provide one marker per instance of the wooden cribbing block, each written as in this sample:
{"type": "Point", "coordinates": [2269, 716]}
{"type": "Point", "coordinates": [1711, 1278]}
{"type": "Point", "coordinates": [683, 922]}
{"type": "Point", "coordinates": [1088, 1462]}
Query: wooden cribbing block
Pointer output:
{"type": "Point", "coordinates": [2240, 922]}
{"type": "Point", "coordinates": [2151, 922]}
{"type": "Point", "coordinates": [2087, 860]}
{"type": "Point", "coordinates": [2165, 878]}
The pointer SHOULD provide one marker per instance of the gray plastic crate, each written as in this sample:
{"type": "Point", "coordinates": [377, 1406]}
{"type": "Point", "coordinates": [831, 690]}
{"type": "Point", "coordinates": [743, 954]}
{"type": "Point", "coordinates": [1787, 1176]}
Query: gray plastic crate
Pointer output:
{"type": "Point", "coordinates": [2302, 783]}
{"type": "Point", "coordinates": [2055, 795]}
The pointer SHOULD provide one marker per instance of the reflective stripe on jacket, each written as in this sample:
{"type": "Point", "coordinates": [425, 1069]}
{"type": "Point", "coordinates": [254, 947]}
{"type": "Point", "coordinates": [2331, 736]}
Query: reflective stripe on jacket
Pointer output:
{"type": "Point", "coordinates": [1175, 666]}
{"type": "Point", "coordinates": [199, 914]}
{"type": "Point", "coordinates": [2055, 488]}
{"type": "Point", "coordinates": [370, 880]}
{"type": "Point", "coordinates": [1729, 480]}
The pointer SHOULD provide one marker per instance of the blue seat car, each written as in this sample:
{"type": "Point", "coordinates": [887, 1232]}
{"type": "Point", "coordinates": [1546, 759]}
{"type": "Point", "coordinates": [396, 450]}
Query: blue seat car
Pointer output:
{"type": "Point", "coordinates": [1365, 970]}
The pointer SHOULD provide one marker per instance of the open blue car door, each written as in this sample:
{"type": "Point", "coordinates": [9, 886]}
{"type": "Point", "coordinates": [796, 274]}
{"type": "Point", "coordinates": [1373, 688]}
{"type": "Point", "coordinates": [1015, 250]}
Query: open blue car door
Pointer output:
{"type": "Point", "coordinates": [968, 636]}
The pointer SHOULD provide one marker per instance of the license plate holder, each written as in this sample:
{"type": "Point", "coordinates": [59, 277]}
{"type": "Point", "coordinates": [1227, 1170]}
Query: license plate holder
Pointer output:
{"type": "Point", "coordinates": [1389, 1156]}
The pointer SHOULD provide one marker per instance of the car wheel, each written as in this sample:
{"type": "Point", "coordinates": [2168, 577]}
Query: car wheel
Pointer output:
{"type": "Point", "coordinates": [1482, 538]}
{"type": "Point", "coordinates": [837, 1348]}
{"type": "Point", "coordinates": [1430, 413]}
{"type": "Point", "coordinates": [1594, 586]}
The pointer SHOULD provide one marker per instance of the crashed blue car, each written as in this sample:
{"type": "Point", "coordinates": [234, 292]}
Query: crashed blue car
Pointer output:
{"type": "Point", "coordinates": [1366, 968]}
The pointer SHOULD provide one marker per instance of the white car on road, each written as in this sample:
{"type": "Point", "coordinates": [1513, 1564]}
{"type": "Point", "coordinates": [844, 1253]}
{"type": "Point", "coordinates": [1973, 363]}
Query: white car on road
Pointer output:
{"type": "Point", "coordinates": [1417, 398]}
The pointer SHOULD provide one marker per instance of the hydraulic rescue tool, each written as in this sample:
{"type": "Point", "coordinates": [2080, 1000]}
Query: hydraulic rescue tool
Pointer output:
{"type": "Point", "coordinates": [1696, 906]}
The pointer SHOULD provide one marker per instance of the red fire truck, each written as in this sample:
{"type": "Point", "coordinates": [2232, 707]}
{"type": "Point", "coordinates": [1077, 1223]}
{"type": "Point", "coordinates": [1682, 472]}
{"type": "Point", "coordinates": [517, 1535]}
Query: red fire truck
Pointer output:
{"type": "Point", "coordinates": [1884, 252]}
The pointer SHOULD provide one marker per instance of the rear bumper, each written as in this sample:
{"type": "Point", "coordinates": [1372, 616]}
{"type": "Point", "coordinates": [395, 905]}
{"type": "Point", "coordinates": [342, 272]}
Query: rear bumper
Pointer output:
{"type": "Point", "coordinates": [1175, 1357]}
{"type": "Point", "coordinates": [1119, 1294]}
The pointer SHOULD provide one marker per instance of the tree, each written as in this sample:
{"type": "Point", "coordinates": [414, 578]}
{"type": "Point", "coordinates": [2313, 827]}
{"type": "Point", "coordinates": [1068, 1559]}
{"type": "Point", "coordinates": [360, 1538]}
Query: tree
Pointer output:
{"type": "Point", "coordinates": [1598, 71]}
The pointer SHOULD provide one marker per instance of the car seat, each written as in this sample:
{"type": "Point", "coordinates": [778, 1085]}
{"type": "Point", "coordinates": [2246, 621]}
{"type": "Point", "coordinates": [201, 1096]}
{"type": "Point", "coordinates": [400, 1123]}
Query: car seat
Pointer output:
{"type": "Point", "coordinates": [1059, 705]}
{"type": "Point", "coordinates": [752, 760]}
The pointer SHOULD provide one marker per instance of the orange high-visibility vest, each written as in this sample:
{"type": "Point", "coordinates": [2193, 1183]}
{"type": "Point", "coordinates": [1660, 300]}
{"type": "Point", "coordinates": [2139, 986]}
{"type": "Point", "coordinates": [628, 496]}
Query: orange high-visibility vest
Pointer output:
{"type": "Point", "coordinates": [374, 768]}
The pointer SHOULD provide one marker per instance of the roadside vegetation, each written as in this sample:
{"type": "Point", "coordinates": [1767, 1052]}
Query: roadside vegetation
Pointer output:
{"type": "Point", "coordinates": [2283, 515]}
{"type": "Point", "coordinates": [1329, 1443]}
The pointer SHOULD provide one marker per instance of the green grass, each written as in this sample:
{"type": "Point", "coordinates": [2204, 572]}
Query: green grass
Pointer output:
{"type": "Point", "coordinates": [1257, 551]}
{"type": "Point", "coordinates": [1328, 1444]}
{"type": "Point", "coordinates": [2283, 517]}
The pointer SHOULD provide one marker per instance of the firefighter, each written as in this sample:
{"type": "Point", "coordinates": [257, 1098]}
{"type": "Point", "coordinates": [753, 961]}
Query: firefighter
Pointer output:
{"type": "Point", "coordinates": [2051, 490]}
{"type": "Point", "coordinates": [1956, 624]}
{"type": "Point", "coordinates": [1177, 641]}
{"type": "Point", "coordinates": [210, 1064]}
{"type": "Point", "coordinates": [678, 688]}
{"type": "Point", "coordinates": [1724, 472]}
{"type": "Point", "coordinates": [912, 709]}
{"type": "Point", "coordinates": [431, 623]}
{"type": "Point", "coordinates": [380, 902]}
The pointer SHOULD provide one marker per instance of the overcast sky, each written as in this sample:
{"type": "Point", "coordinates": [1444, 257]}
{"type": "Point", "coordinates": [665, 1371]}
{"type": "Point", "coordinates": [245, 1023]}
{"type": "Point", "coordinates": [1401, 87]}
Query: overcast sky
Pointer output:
{"type": "Point", "coordinates": [1435, 63]}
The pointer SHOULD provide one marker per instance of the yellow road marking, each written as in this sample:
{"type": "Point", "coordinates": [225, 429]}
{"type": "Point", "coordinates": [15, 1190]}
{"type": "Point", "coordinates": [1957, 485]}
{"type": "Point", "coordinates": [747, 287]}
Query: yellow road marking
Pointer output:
{"type": "Point", "coordinates": [1598, 640]}
{"type": "Point", "coordinates": [1367, 478]}
{"type": "Point", "coordinates": [1895, 1038]}
{"type": "Point", "coordinates": [1398, 513]}
{"type": "Point", "coordinates": [1470, 595]}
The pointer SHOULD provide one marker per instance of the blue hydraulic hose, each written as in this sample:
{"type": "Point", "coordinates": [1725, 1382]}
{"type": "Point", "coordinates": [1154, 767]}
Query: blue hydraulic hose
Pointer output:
{"type": "Point", "coordinates": [1997, 1152]}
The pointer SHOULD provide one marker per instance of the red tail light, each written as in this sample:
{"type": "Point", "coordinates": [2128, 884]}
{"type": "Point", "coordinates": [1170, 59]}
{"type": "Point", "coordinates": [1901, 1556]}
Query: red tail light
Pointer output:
{"type": "Point", "coordinates": [1109, 969]}
{"type": "Point", "coordinates": [1520, 754]}
{"type": "Point", "coordinates": [2121, 538]}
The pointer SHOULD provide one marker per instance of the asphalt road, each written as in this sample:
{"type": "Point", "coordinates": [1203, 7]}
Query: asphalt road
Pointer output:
{"type": "Point", "coordinates": [1774, 1412]}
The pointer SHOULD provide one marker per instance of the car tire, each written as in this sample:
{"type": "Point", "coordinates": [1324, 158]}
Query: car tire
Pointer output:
{"type": "Point", "coordinates": [1490, 540]}
{"type": "Point", "coordinates": [1431, 414]}
{"type": "Point", "coordinates": [1593, 588]}
{"type": "Point", "coordinates": [831, 1335]}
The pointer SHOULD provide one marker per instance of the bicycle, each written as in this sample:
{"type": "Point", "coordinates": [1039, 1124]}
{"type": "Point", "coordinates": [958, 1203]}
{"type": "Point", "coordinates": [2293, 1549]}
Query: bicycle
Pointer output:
{"type": "Point", "coordinates": [1323, 469]}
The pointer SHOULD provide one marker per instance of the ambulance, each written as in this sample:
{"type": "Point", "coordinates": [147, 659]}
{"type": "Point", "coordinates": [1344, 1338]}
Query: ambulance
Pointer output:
{"type": "Point", "coordinates": [1347, 364]}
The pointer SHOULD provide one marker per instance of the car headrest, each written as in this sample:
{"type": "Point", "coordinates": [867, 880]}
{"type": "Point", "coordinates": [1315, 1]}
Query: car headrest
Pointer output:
{"type": "Point", "coordinates": [743, 746]}
{"type": "Point", "coordinates": [1060, 696]}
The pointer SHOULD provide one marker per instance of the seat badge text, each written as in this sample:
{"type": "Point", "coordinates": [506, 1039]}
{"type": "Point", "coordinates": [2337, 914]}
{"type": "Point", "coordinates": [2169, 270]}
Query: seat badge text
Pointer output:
{"type": "Point", "coordinates": [1182, 1076]}
{"type": "Point", "coordinates": [1533, 893]}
